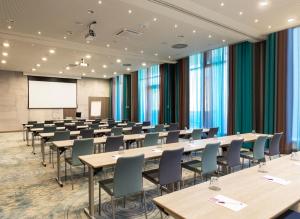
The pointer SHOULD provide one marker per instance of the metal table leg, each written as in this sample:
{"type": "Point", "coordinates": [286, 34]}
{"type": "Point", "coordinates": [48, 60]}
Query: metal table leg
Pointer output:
{"type": "Point", "coordinates": [27, 135]}
{"type": "Point", "coordinates": [24, 132]}
{"type": "Point", "coordinates": [32, 142]}
{"type": "Point", "coordinates": [43, 142]}
{"type": "Point", "coordinates": [90, 212]}
{"type": "Point", "coordinates": [58, 168]}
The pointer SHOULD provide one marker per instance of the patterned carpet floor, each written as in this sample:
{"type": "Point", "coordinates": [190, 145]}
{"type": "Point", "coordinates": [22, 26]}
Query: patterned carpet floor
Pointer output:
{"type": "Point", "coordinates": [29, 190]}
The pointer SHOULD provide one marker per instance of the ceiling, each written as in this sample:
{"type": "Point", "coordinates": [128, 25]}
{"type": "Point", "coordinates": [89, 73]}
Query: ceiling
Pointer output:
{"type": "Point", "coordinates": [33, 27]}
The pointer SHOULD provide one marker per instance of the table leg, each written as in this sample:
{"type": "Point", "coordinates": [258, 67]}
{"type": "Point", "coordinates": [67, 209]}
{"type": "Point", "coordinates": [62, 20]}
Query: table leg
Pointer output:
{"type": "Point", "coordinates": [58, 168]}
{"type": "Point", "coordinates": [24, 132]}
{"type": "Point", "coordinates": [43, 151]}
{"type": "Point", "coordinates": [32, 143]}
{"type": "Point", "coordinates": [90, 212]}
{"type": "Point", "coordinates": [27, 133]}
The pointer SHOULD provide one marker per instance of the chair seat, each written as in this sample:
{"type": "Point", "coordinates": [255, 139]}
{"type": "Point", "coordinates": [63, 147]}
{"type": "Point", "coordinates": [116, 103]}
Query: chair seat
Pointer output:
{"type": "Point", "coordinates": [290, 214]}
{"type": "Point", "coordinates": [247, 155]}
{"type": "Point", "coordinates": [107, 185]}
{"type": "Point", "coordinates": [193, 165]}
{"type": "Point", "coordinates": [152, 175]}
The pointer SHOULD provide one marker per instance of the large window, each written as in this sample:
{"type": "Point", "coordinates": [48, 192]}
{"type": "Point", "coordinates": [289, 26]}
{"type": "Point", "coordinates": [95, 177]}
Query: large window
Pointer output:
{"type": "Point", "coordinates": [148, 94]}
{"type": "Point", "coordinates": [209, 89]}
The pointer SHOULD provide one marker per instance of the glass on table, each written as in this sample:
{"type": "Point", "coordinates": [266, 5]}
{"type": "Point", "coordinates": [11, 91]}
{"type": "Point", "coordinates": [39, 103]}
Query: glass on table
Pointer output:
{"type": "Point", "coordinates": [79, 137]}
{"type": "Point", "coordinates": [262, 167]}
{"type": "Point", "coordinates": [121, 150]}
{"type": "Point", "coordinates": [214, 183]}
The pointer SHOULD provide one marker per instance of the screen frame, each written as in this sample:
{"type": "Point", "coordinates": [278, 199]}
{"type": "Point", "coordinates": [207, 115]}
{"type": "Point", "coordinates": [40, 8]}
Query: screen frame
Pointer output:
{"type": "Point", "coordinates": [50, 79]}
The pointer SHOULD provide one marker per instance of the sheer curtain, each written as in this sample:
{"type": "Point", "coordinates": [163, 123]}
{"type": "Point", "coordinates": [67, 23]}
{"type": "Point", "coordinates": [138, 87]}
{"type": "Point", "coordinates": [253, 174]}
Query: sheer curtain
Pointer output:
{"type": "Point", "coordinates": [148, 94]}
{"type": "Point", "coordinates": [118, 97]}
{"type": "Point", "coordinates": [209, 89]}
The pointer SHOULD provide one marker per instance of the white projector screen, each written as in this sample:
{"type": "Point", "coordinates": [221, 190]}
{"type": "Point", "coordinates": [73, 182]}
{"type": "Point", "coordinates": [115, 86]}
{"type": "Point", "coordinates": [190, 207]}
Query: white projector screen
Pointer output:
{"type": "Point", "coordinates": [48, 94]}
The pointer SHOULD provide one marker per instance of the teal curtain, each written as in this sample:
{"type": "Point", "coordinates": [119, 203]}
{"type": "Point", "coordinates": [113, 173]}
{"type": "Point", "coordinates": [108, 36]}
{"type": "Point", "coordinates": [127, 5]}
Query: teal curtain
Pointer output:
{"type": "Point", "coordinates": [243, 85]}
{"type": "Point", "coordinates": [118, 97]}
{"type": "Point", "coordinates": [126, 105]}
{"type": "Point", "coordinates": [110, 107]}
{"type": "Point", "coordinates": [270, 83]}
{"type": "Point", "coordinates": [148, 94]}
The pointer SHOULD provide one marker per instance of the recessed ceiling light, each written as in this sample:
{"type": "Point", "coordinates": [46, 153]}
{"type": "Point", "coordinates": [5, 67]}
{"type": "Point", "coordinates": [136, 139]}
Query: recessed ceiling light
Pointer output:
{"type": "Point", "coordinates": [256, 21]}
{"type": "Point", "coordinates": [156, 54]}
{"type": "Point", "coordinates": [126, 48]}
{"type": "Point", "coordinates": [269, 26]}
{"type": "Point", "coordinates": [128, 69]}
{"type": "Point", "coordinates": [100, 2]}
{"type": "Point", "coordinates": [6, 44]}
{"type": "Point", "coordinates": [88, 56]}
{"type": "Point", "coordinates": [118, 60]}
{"type": "Point", "coordinates": [104, 66]}
{"type": "Point", "coordinates": [115, 73]}
{"type": "Point", "coordinates": [169, 57]}
{"type": "Point", "coordinates": [3, 61]}
{"type": "Point", "coordinates": [44, 59]}
{"type": "Point", "coordinates": [194, 31]}
{"type": "Point", "coordinates": [241, 13]}
{"type": "Point", "coordinates": [38, 65]}
{"type": "Point", "coordinates": [104, 76]}
{"type": "Point", "coordinates": [290, 20]}
{"type": "Point", "coordinates": [155, 19]}
{"type": "Point", "coordinates": [33, 69]}
{"type": "Point", "coordinates": [9, 27]}
{"type": "Point", "coordinates": [60, 72]}
{"type": "Point", "coordinates": [222, 4]}
{"type": "Point", "coordinates": [77, 63]}
{"type": "Point", "coordinates": [142, 51]}
{"type": "Point", "coordinates": [107, 45]}
{"type": "Point", "coordinates": [144, 64]}
{"type": "Point", "coordinates": [39, 33]}
{"type": "Point", "coordinates": [5, 54]}
{"type": "Point", "coordinates": [83, 74]}
{"type": "Point", "coordinates": [93, 70]}
{"type": "Point", "coordinates": [67, 68]}
{"type": "Point", "coordinates": [176, 25]}
{"type": "Point", "coordinates": [209, 36]}
{"type": "Point", "coordinates": [129, 11]}
{"type": "Point", "coordinates": [90, 11]}
{"type": "Point", "coordinates": [51, 51]}
{"type": "Point", "coordinates": [263, 3]}
{"type": "Point", "coordinates": [223, 41]}
{"type": "Point", "coordinates": [65, 37]}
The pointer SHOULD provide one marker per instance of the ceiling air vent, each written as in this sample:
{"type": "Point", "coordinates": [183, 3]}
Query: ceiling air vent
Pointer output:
{"type": "Point", "coordinates": [128, 33]}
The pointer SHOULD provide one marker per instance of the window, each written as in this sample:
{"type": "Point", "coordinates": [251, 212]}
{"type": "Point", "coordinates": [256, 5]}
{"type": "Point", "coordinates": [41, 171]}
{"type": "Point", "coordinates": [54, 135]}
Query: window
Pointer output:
{"type": "Point", "coordinates": [209, 89]}
{"type": "Point", "coordinates": [148, 94]}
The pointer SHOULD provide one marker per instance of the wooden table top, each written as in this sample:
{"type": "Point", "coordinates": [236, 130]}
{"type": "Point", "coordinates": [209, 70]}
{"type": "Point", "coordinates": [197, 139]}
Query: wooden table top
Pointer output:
{"type": "Point", "coordinates": [108, 159]}
{"type": "Point", "coordinates": [264, 199]}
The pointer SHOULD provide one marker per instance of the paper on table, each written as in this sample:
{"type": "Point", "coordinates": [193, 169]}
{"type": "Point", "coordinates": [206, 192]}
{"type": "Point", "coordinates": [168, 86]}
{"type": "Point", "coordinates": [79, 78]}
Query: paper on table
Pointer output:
{"type": "Point", "coordinates": [192, 145]}
{"type": "Point", "coordinates": [228, 203]}
{"type": "Point", "coordinates": [298, 164]}
{"type": "Point", "coordinates": [157, 150]}
{"type": "Point", "coordinates": [277, 180]}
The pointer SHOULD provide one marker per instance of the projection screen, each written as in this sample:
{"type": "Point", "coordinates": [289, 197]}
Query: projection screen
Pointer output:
{"type": "Point", "coordinates": [51, 94]}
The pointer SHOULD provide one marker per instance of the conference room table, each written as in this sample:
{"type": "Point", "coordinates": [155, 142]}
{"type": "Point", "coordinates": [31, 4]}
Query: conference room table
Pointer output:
{"type": "Point", "coordinates": [97, 161]}
{"type": "Point", "coordinates": [61, 146]}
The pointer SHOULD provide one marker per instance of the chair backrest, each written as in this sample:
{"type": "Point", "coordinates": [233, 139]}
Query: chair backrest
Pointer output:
{"type": "Point", "coordinates": [173, 127]}
{"type": "Point", "coordinates": [209, 158]}
{"type": "Point", "coordinates": [170, 166]}
{"type": "Point", "coordinates": [113, 143]}
{"type": "Point", "coordinates": [234, 153]}
{"type": "Point", "coordinates": [130, 124]}
{"type": "Point", "coordinates": [274, 144]}
{"type": "Point", "coordinates": [197, 134]}
{"type": "Point", "coordinates": [87, 133]}
{"type": "Point", "coordinates": [59, 124]}
{"type": "Point", "coordinates": [146, 123]}
{"type": "Point", "coordinates": [128, 175]}
{"type": "Point", "coordinates": [80, 148]}
{"type": "Point", "coordinates": [259, 148]}
{"type": "Point", "coordinates": [38, 125]}
{"type": "Point", "coordinates": [48, 121]}
{"type": "Point", "coordinates": [172, 137]}
{"type": "Point", "coordinates": [212, 132]}
{"type": "Point", "coordinates": [94, 126]}
{"type": "Point", "coordinates": [151, 139]}
{"type": "Point", "coordinates": [61, 135]}
{"type": "Point", "coordinates": [111, 125]}
{"type": "Point", "coordinates": [137, 129]}
{"type": "Point", "coordinates": [71, 127]}
{"type": "Point", "coordinates": [159, 128]}
{"type": "Point", "coordinates": [79, 123]}
{"type": "Point", "coordinates": [96, 121]}
{"type": "Point", "coordinates": [117, 131]}
{"type": "Point", "coordinates": [31, 122]}
{"type": "Point", "coordinates": [48, 129]}
{"type": "Point", "coordinates": [68, 120]}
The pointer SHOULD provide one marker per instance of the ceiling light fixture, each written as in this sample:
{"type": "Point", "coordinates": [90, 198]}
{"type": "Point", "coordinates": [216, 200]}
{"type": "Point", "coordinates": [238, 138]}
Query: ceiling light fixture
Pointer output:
{"type": "Point", "coordinates": [83, 74]}
{"type": "Point", "coordinates": [144, 64]}
{"type": "Point", "coordinates": [77, 63]}
{"type": "Point", "coordinates": [9, 27]}
{"type": "Point", "coordinates": [38, 65]}
{"type": "Point", "coordinates": [65, 37]}
{"type": "Point", "coordinates": [222, 4]}
{"type": "Point", "coordinates": [223, 41]}
{"type": "Point", "coordinates": [104, 76]}
{"type": "Point", "coordinates": [5, 54]}
{"type": "Point", "coordinates": [39, 33]}
{"type": "Point", "coordinates": [100, 2]}
{"type": "Point", "coordinates": [104, 66]}
{"type": "Point", "coordinates": [269, 26]}
{"type": "Point", "coordinates": [115, 73]}
{"type": "Point", "coordinates": [169, 57]}
{"type": "Point", "coordinates": [44, 59]}
{"type": "Point", "coordinates": [93, 70]}
{"type": "Point", "coordinates": [156, 54]}
{"type": "Point", "coordinates": [176, 25]}
{"type": "Point", "coordinates": [129, 11]}
{"type": "Point", "coordinates": [6, 44]}
{"type": "Point", "coordinates": [107, 45]}
{"type": "Point", "coordinates": [118, 60]}
{"type": "Point", "coordinates": [60, 72]}
{"type": "Point", "coordinates": [88, 56]}
{"type": "Point", "coordinates": [209, 36]}
{"type": "Point", "coordinates": [33, 69]}
{"type": "Point", "coordinates": [51, 51]}
{"type": "Point", "coordinates": [3, 61]}
{"type": "Point", "coordinates": [290, 20]}
{"type": "Point", "coordinates": [241, 13]}
{"type": "Point", "coordinates": [128, 69]}
{"type": "Point", "coordinates": [142, 51]}
{"type": "Point", "coordinates": [155, 19]}
{"type": "Point", "coordinates": [68, 68]}
{"type": "Point", "coordinates": [263, 3]}
{"type": "Point", "coordinates": [256, 21]}
{"type": "Point", "coordinates": [194, 31]}
{"type": "Point", "coordinates": [126, 48]}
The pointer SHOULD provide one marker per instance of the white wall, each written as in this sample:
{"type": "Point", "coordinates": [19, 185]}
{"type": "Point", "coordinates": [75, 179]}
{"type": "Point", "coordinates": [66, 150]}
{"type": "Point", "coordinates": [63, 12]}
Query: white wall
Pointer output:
{"type": "Point", "coordinates": [14, 100]}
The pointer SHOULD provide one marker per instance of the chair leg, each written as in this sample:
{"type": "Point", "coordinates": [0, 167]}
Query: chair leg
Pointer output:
{"type": "Point", "coordinates": [124, 202]}
{"type": "Point", "coordinates": [99, 206]}
{"type": "Point", "coordinates": [83, 169]}
{"type": "Point", "coordinates": [145, 204]}
{"type": "Point", "coordinates": [113, 207]}
{"type": "Point", "coordinates": [194, 178]}
{"type": "Point", "coordinates": [65, 168]}
{"type": "Point", "coordinates": [71, 177]}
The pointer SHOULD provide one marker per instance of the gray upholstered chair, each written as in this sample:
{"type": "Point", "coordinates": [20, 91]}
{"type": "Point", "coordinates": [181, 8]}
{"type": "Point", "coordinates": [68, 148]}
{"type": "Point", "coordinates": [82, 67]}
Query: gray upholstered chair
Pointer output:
{"type": "Point", "coordinates": [151, 139]}
{"type": "Point", "coordinates": [115, 131]}
{"type": "Point", "coordinates": [60, 124]}
{"type": "Point", "coordinates": [79, 123]}
{"type": "Point", "coordinates": [137, 129]}
{"type": "Point", "coordinates": [48, 129]}
{"type": "Point", "coordinates": [58, 136]}
{"type": "Point", "coordinates": [94, 126]}
{"type": "Point", "coordinates": [80, 148]}
{"type": "Point", "coordinates": [169, 171]}
{"type": "Point", "coordinates": [208, 163]}
{"type": "Point", "coordinates": [274, 146]}
{"type": "Point", "coordinates": [232, 157]}
{"type": "Point", "coordinates": [159, 128]}
{"type": "Point", "coordinates": [196, 134]}
{"type": "Point", "coordinates": [173, 127]}
{"type": "Point", "coordinates": [68, 120]}
{"type": "Point", "coordinates": [258, 153]}
{"type": "Point", "coordinates": [146, 123]}
{"type": "Point", "coordinates": [71, 127]}
{"type": "Point", "coordinates": [127, 181]}
{"type": "Point", "coordinates": [38, 125]}
{"type": "Point", "coordinates": [130, 124]}
{"type": "Point", "coordinates": [48, 121]}
{"type": "Point", "coordinates": [113, 143]}
{"type": "Point", "coordinates": [172, 137]}
{"type": "Point", "coordinates": [87, 133]}
{"type": "Point", "coordinates": [212, 132]}
{"type": "Point", "coordinates": [31, 122]}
